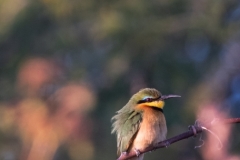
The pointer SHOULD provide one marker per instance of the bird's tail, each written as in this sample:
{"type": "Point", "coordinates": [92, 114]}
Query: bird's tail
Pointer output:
{"type": "Point", "coordinates": [140, 157]}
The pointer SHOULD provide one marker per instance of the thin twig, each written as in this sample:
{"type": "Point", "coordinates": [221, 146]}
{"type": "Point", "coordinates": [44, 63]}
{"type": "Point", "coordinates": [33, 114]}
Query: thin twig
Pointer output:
{"type": "Point", "coordinates": [185, 135]}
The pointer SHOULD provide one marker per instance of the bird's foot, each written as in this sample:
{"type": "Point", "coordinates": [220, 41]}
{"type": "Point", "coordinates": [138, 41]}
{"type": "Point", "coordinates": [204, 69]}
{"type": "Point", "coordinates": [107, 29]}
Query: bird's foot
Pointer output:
{"type": "Point", "coordinates": [122, 154]}
{"type": "Point", "coordinates": [137, 152]}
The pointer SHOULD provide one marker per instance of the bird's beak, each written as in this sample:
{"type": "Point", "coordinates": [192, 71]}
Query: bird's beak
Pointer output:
{"type": "Point", "coordinates": [163, 97]}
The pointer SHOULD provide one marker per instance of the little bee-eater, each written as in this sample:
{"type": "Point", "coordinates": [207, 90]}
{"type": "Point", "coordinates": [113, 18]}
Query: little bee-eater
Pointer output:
{"type": "Point", "coordinates": [141, 122]}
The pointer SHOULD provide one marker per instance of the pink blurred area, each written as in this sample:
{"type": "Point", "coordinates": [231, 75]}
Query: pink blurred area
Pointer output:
{"type": "Point", "coordinates": [218, 137]}
{"type": "Point", "coordinates": [34, 73]}
{"type": "Point", "coordinates": [44, 125]}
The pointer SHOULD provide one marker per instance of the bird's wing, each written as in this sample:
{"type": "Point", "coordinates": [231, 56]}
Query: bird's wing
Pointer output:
{"type": "Point", "coordinates": [128, 130]}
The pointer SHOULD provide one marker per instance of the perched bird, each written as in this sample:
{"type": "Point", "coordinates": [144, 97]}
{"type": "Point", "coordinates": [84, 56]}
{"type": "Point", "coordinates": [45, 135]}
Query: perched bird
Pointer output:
{"type": "Point", "coordinates": [141, 122]}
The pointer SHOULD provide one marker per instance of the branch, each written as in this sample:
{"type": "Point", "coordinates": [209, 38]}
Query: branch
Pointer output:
{"type": "Point", "coordinates": [193, 131]}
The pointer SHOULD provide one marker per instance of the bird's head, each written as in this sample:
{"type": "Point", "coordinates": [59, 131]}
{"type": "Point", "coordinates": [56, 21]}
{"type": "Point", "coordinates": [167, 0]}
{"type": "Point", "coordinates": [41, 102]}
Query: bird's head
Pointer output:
{"type": "Point", "coordinates": [150, 97]}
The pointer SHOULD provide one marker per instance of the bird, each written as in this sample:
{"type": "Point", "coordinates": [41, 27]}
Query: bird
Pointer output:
{"type": "Point", "coordinates": [141, 122]}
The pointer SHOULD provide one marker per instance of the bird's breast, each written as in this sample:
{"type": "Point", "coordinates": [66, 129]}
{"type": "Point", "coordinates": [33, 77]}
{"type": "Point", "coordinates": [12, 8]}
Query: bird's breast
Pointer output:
{"type": "Point", "coordinates": [152, 129]}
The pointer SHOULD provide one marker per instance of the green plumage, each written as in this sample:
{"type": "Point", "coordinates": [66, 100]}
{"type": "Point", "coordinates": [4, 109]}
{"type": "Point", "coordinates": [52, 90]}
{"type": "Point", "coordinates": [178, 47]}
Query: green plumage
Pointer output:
{"type": "Point", "coordinates": [126, 126]}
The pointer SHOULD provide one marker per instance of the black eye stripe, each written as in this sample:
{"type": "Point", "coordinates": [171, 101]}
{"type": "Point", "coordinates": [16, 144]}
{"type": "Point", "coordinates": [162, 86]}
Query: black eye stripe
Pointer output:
{"type": "Point", "coordinates": [148, 100]}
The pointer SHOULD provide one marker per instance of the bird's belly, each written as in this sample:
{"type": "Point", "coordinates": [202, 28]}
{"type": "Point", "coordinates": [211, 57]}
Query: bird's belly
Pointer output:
{"type": "Point", "coordinates": [150, 132]}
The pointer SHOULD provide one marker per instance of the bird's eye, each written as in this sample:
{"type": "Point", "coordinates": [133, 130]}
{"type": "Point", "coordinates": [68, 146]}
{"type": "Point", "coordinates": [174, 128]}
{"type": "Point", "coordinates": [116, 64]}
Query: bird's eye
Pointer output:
{"type": "Point", "coordinates": [148, 100]}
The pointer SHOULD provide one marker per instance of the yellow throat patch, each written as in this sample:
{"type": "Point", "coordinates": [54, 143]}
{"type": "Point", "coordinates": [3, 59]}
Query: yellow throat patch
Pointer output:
{"type": "Point", "coordinates": [157, 104]}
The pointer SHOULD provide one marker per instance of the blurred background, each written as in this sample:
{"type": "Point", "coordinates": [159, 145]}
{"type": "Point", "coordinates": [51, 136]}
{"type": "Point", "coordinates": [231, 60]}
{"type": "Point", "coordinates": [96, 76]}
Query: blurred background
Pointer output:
{"type": "Point", "coordinates": [67, 66]}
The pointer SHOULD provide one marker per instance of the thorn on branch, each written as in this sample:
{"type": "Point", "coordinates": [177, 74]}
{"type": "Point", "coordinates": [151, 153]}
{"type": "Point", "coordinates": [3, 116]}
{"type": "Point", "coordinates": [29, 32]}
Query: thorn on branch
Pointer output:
{"type": "Point", "coordinates": [216, 136]}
